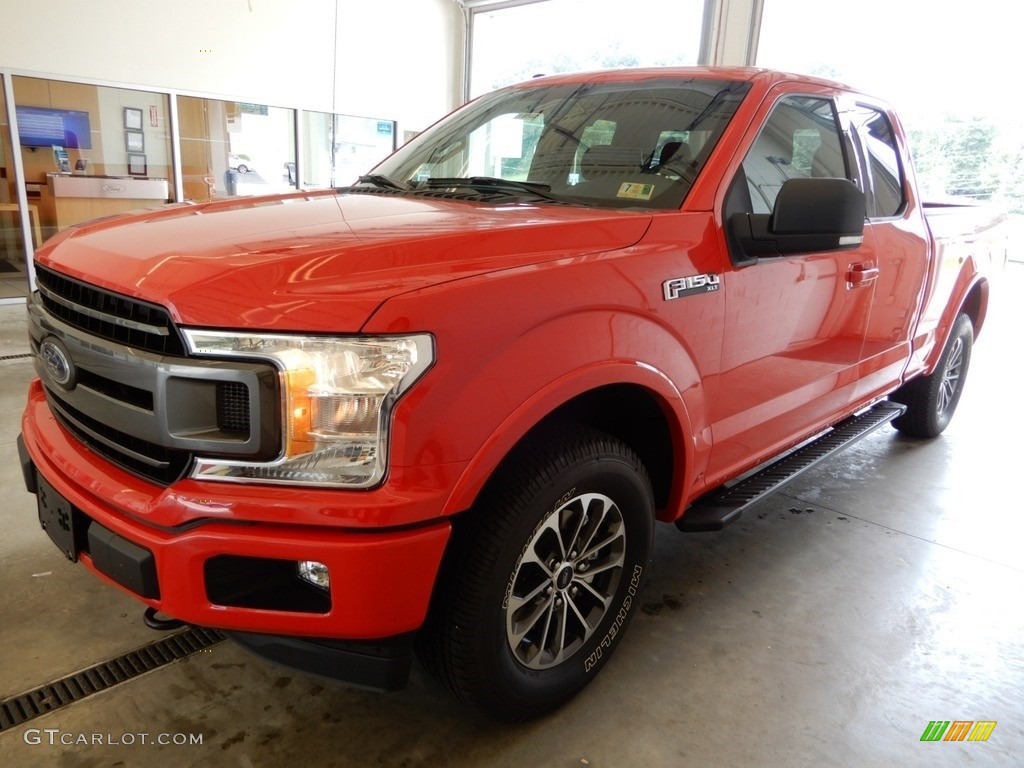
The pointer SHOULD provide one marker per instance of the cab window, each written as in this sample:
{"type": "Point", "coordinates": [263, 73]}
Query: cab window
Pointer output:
{"type": "Point", "coordinates": [884, 182]}
{"type": "Point", "coordinates": [800, 140]}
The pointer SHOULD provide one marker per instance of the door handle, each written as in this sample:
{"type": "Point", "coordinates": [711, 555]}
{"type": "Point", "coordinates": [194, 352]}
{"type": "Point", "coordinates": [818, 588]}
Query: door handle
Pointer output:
{"type": "Point", "coordinates": [861, 274]}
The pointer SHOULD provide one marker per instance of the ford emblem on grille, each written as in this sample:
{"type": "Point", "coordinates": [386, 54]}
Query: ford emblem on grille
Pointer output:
{"type": "Point", "coordinates": [57, 362]}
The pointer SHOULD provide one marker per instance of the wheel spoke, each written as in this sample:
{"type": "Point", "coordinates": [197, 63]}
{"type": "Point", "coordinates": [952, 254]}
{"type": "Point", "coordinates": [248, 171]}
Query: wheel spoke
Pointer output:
{"type": "Point", "coordinates": [584, 517]}
{"type": "Point", "coordinates": [534, 558]}
{"type": "Point", "coordinates": [602, 599]}
{"type": "Point", "coordinates": [571, 602]}
{"type": "Point", "coordinates": [515, 602]}
{"type": "Point", "coordinates": [529, 622]}
{"type": "Point", "coordinates": [951, 378]}
{"type": "Point", "coordinates": [551, 525]}
{"type": "Point", "coordinates": [615, 562]}
{"type": "Point", "coordinates": [591, 551]}
{"type": "Point", "coordinates": [557, 646]}
{"type": "Point", "coordinates": [596, 525]}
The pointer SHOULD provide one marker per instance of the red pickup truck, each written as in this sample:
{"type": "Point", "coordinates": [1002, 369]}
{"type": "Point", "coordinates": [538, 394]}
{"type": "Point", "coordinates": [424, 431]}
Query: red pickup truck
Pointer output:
{"type": "Point", "coordinates": [440, 410]}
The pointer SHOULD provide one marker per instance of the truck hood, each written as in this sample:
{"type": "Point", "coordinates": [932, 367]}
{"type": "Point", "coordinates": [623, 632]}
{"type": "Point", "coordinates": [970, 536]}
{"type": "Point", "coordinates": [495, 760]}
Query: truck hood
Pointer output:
{"type": "Point", "coordinates": [321, 261]}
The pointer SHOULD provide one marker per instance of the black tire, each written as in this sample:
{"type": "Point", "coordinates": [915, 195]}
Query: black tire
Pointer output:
{"type": "Point", "coordinates": [242, 168]}
{"type": "Point", "coordinates": [515, 638]}
{"type": "Point", "coordinates": [931, 400]}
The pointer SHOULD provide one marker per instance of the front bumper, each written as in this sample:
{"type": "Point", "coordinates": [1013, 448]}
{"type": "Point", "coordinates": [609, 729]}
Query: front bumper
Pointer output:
{"type": "Point", "coordinates": [236, 574]}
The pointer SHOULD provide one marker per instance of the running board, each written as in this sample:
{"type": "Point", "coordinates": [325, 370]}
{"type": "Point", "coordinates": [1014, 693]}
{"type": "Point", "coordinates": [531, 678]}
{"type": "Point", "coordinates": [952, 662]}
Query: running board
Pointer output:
{"type": "Point", "coordinates": [722, 506]}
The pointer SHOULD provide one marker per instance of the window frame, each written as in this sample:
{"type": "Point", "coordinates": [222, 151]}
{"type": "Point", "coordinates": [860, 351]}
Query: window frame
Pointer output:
{"type": "Point", "coordinates": [864, 164]}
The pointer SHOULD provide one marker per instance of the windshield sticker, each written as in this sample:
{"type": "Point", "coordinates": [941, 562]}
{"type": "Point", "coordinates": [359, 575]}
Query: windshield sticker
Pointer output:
{"type": "Point", "coordinates": [634, 191]}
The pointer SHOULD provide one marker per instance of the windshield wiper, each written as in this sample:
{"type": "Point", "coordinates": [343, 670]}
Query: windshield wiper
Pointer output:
{"type": "Point", "coordinates": [379, 180]}
{"type": "Point", "coordinates": [492, 183]}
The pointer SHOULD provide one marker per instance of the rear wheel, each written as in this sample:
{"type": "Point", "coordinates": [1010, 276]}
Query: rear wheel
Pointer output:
{"type": "Point", "coordinates": [931, 400]}
{"type": "Point", "coordinates": [544, 575]}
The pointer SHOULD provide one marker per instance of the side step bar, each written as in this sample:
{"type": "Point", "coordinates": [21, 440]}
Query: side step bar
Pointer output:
{"type": "Point", "coordinates": [725, 505]}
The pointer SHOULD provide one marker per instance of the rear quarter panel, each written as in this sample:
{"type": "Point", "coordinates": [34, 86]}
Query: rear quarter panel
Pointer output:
{"type": "Point", "coordinates": [969, 244]}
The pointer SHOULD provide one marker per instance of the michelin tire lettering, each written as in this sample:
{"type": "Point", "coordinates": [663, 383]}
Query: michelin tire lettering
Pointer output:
{"type": "Point", "coordinates": [620, 619]}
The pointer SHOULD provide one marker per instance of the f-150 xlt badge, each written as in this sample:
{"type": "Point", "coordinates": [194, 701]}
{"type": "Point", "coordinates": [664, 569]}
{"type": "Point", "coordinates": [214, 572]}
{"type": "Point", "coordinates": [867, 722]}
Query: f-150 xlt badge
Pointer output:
{"type": "Point", "coordinates": [678, 287]}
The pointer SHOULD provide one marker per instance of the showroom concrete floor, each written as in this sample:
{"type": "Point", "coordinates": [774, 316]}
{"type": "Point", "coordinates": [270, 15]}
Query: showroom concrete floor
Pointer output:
{"type": "Point", "coordinates": [881, 591]}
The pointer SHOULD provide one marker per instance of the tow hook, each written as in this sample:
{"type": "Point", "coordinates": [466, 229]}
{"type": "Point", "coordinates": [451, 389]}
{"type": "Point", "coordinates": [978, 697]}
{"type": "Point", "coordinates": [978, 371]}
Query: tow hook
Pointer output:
{"type": "Point", "coordinates": [150, 619]}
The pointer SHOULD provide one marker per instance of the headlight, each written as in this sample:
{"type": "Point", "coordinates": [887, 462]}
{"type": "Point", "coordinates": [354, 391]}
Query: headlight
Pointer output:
{"type": "Point", "coordinates": [338, 395]}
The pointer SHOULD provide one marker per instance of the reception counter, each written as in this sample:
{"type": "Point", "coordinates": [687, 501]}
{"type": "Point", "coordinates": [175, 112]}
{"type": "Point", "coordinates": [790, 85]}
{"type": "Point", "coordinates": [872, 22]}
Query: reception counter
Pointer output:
{"type": "Point", "coordinates": [80, 198]}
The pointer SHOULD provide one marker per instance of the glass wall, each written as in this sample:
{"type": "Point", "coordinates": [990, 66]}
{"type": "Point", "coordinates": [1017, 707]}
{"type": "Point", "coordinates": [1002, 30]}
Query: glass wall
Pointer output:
{"type": "Point", "coordinates": [231, 148]}
{"type": "Point", "coordinates": [337, 149]}
{"type": "Point", "coordinates": [13, 282]}
{"type": "Point", "coordinates": [89, 151]}
{"type": "Point", "coordinates": [510, 45]}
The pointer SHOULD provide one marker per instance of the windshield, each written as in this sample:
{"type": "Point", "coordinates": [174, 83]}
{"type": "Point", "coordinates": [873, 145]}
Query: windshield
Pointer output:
{"type": "Point", "coordinates": [615, 144]}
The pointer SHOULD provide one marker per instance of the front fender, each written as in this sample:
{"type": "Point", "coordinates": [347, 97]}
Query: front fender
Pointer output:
{"type": "Point", "coordinates": [515, 345]}
{"type": "Point", "coordinates": [481, 399]}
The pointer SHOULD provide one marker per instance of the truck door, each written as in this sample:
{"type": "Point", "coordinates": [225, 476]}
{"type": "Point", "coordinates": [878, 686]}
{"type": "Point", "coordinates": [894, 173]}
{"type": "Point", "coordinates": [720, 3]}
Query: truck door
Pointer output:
{"type": "Point", "coordinates": [795, 325]}
{"type": "Point", "coordinates": [899, 235]}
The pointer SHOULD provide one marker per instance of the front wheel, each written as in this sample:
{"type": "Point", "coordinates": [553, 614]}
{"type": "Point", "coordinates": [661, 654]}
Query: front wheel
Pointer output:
{"type": "Point", "coordinates": [544, 575]}
{"type": "Point", "coordinates": [931, 400]}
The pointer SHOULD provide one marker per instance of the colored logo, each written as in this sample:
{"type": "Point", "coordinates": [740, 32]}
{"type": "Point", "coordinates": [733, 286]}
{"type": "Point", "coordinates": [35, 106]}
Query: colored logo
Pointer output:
{"type": "Point", "coordinates": [958, 730]}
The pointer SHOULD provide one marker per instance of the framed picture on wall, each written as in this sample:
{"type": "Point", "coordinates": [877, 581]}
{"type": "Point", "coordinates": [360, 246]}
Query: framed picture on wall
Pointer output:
{"type": "Point", "coordinates": [136, 164]}
{"type": "Point", "coordinates": [135, 141]}
{"type": "Point", "coordinates": [132, 119]}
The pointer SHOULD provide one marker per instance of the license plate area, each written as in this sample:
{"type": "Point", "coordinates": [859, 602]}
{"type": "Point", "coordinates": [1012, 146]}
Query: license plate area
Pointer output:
{"type": "Point", "coordinates": [61, 521]}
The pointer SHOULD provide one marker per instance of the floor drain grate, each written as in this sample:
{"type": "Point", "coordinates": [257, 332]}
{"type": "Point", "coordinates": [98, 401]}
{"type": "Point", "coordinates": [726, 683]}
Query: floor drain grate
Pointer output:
{"type": "Point", "coordinates": [47, 698]}
{"type": "Point", "coordinates": [15, 357]}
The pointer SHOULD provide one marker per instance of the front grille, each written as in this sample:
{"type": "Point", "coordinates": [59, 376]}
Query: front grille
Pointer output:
{"type": "Point", "coordinates": [152, 462]}
{"type": "Point", "coordinates": [150, 409]}
{"type": "Point", "coordinates": [108, 315]}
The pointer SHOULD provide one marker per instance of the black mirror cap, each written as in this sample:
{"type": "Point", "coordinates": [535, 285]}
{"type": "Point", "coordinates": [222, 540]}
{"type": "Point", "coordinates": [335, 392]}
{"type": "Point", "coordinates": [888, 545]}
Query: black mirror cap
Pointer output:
{"type": "Point", "coordinates": [810, 216]}
{"type": "Point", "coordinates": [819, 207]}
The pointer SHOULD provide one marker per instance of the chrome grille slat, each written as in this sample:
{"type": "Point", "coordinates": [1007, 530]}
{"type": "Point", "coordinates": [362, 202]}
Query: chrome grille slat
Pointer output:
{"type": "Point", "coordinates": [108, 315]}
{"type": "Point", "coordinates": [105, 317]}
{"type": "Point", "coordinates": [79, 426]}
{"type": "Point", "coordinates": [117, 447]}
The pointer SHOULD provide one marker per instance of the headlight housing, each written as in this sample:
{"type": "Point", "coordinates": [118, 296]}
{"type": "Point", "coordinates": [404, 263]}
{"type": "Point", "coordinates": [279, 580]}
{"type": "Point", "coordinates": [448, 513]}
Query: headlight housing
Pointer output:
{"type": "Point", "coordinates": [338, 396]}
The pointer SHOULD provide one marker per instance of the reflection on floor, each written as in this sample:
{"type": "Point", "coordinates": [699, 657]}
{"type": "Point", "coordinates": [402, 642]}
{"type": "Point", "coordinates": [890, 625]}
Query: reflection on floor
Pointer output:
{"type": "Point", "coordinates": [832, 625]}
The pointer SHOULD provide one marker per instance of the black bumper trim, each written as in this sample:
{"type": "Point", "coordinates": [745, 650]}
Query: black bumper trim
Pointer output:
{"type": "Point", "coordinates": [28, 469]}
{"type": "Point", "coordinates": [131, 566]}
{"type": "Point", "coordinates": [377, 665]}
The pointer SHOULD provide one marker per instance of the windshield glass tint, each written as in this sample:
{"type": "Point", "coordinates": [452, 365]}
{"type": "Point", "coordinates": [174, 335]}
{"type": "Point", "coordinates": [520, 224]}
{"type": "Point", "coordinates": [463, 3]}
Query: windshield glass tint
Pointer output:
{"type": "Point", "coordinates": [621, 144]}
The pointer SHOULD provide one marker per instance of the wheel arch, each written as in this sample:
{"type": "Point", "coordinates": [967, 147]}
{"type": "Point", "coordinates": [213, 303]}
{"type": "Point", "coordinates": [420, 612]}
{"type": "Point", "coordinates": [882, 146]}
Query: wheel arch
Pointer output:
{"type": "Point", "coordinates": [975, 305]}
{"type": "Point", "coordinates": [972, 300]}
{"type": "Point", "coordinates": [638, 406]}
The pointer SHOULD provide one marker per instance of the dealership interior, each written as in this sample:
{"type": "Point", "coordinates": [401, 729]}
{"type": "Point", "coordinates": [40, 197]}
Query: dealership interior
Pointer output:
{"type": "Point", "coordinates": [839, 622]}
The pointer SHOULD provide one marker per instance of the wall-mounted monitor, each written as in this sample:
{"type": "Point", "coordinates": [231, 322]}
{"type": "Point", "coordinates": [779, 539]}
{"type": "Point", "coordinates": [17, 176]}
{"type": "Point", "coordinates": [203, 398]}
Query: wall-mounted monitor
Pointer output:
{"type": "Point", "coordinates": [46, 127]}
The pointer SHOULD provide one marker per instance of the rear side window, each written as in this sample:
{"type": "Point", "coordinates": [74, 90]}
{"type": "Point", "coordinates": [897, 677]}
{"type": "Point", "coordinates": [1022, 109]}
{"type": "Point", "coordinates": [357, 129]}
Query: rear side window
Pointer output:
{"type": "Point", "coordinates": [884, 182]}
{"type": "Point", "coordinates": [800, 140]}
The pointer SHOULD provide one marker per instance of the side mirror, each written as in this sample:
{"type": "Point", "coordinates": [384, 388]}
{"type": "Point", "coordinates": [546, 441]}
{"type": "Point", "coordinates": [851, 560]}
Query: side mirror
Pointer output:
{"type": "Point", "coordinates": [810, 215]}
